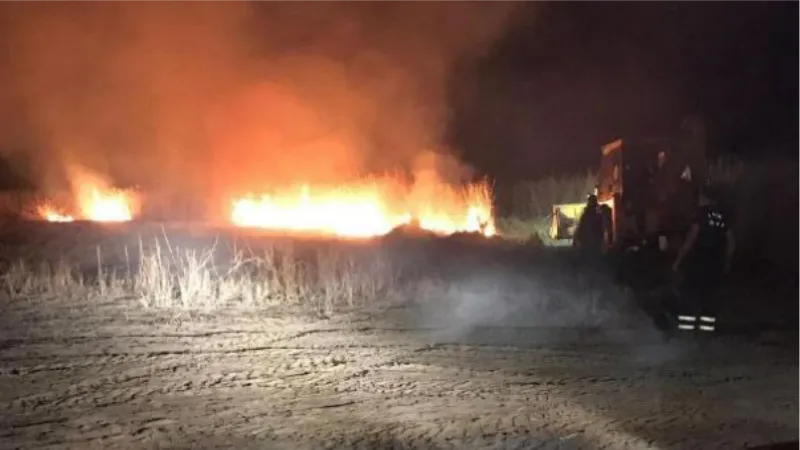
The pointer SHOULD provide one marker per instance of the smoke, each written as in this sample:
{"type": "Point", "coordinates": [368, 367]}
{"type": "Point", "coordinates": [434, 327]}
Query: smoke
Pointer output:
{"type": "Point", "coordinates": [544, 301]}
{"type": "Point", "coordinates": [220, 97]}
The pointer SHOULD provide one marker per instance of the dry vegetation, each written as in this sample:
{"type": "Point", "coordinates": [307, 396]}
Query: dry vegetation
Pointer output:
{"type": "Point", "coordinates": [160, 275]}
{"type": "Point", "coordinates": [160, 270]}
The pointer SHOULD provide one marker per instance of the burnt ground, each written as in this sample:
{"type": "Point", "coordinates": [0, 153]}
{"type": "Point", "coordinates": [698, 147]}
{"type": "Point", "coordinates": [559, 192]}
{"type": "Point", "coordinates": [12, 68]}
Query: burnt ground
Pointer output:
{"type": "Point", "coordinates": [502, 347]}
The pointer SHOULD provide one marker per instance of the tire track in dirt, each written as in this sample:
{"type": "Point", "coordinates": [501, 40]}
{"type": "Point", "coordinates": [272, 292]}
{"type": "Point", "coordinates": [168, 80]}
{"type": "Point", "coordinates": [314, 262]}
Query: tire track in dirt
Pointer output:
{"type": "Point", "coordinates": [163, 374]}
{"type": "Point", "coordinates": [208, 343]}
{"type": "Point", "coordinates": [465, 390]}
{"type": "Point", "coordinates": [568, 386]}
{"type": "Point", "coordinates": [318, 387]}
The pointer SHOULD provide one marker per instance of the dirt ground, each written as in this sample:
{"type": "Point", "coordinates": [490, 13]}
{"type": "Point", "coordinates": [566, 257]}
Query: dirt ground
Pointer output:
{"type": "Point", "coordinates": [500, 356]}
{"type": "Point", "coordinates": [100, 374]}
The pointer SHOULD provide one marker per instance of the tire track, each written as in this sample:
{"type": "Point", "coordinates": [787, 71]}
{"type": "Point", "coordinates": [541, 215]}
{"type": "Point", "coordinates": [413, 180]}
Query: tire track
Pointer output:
{"type": "Point", "coordinates": [312, 388]}
{"type": "Point", "coordinates": [175, 375]}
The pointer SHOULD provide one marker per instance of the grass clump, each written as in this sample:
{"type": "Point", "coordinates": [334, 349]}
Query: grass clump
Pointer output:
{"type": "Point", "coordinates": [23, 280]}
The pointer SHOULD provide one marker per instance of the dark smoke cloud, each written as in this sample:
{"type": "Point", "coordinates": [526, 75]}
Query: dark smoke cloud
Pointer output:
{"type": "Point", "coordinates": [225, 96]}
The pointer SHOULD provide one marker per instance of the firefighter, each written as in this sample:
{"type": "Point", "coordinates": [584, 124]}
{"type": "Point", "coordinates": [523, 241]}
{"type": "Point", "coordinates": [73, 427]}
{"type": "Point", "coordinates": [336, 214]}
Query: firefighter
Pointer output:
{"type": "Point", "coordinates": [704, 260]}
{"type": "Point", "coordinates": [590, 235]}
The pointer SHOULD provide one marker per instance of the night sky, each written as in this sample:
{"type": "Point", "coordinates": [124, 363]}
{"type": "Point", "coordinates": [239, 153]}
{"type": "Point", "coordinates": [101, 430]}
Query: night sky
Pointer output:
{"type": "Point", "coordinates": [577, 75]}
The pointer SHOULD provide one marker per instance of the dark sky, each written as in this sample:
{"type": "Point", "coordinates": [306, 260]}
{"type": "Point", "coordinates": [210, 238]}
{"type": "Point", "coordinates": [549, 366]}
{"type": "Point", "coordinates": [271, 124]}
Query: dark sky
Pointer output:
{"type": "Point", "coordinates": [580, 74]}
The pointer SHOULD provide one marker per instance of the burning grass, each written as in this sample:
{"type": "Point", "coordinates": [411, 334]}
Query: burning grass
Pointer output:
{"type": "Point", "coordinates": [364, 208]}
{"type": "Point", "coordinates": [371, 207]}
{"type": "Point", "coordinates": [107, 205]}
{"type": "Point", "coordinates": [92, 198]}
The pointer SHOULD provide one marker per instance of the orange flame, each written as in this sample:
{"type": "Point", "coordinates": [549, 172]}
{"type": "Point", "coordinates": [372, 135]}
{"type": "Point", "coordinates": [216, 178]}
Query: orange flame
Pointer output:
{"type": "Point", "coordinates": [369, 209]}
{"type": "Point", "coordinates": [94, 200]}
{"type": "Point", "coordinates": [51, 215]}
{"type": "Point", "coordinates": [106, 206]}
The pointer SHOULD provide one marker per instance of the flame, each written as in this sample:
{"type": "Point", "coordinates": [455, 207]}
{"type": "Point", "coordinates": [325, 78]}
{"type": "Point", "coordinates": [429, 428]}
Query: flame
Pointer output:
{"type": "Point", "coordinates": [368, 209]}
{"type": "Point", "coordinates": [52, 215]}
{"type": "Point", "coordinates": [97, 200]}
{"type": "Point", "coordinates": [105, 206]}
{"type": "Point", "coordinates": [95, 205]}
{"type": "Point", "coordinates": [94, 200]}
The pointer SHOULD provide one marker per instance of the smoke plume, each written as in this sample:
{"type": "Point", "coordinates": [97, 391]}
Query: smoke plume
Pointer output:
{"type": "Point", "coordinates": [220, 97]}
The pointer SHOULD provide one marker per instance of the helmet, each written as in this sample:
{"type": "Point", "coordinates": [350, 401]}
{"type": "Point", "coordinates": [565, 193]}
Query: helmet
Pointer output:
{"type": "Point", "coordinates": [591, 200]}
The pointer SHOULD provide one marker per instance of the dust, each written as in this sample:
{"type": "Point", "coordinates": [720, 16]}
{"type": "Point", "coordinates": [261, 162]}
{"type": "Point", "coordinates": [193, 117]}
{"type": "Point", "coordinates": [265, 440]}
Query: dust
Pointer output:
{"type": "Point", "coordinates": [211, 98]}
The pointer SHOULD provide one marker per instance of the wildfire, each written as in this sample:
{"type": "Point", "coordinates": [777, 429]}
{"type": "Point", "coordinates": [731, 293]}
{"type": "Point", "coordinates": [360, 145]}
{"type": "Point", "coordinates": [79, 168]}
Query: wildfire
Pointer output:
{"type": "Point", "coordinates": [109, 206]}
{"type": "Point", "coordinates": [93, 200]}
{"type": "Point", "coordinates": [358, 210]}
{"type": "Point", "coordinates": [52, 215]}
{"type": "Point", "coordinates": [369, 209]}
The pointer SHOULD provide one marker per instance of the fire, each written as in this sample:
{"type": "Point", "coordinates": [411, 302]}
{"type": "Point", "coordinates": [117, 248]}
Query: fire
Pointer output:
{"type": "Point", "coordinates": [96, 200]}
{"type": "Point", "coordinates": [95, 205]}
{"type": "Point", "coordinates": [368, 209]}
{"type": "Point", "coordinates": [93, 200]}
{"type": "Point", "coordinates": [51, 215]}
{"type": "Point", "coordinates": [108, 206]}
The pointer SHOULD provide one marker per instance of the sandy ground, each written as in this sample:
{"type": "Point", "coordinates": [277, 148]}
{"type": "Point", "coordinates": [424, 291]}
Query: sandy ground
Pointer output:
{"type": "Point", "coordinates": [107, 375]}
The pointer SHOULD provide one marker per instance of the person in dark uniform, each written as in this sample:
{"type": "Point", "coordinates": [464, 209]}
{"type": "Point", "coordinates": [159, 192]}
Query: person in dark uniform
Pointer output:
{"type": "Point", "coordinates": [590, 235]}
{"type": "Point", "coordinates": [704, 259]}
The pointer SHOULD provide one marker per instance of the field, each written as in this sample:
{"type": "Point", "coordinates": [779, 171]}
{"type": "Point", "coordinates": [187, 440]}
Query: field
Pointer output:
{"type": "Point", "coordinates": [136, 336]}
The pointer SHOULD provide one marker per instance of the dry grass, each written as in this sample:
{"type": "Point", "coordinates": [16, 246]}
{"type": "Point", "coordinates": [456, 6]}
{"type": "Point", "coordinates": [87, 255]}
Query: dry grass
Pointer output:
{"type": "Point", "coordinates": [163, 276]}
{"type": "Point", "coordinates": [298, 276]}
{"type": "Point", "coordinates": [24, 281]}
